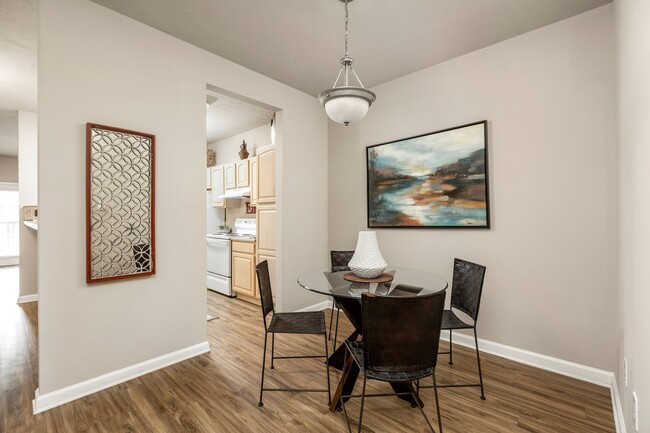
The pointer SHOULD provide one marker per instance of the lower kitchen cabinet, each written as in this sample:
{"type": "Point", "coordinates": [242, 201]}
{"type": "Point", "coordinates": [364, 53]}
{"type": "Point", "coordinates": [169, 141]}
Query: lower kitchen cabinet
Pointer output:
{"type": "Point", "coordinates": [244, 282]}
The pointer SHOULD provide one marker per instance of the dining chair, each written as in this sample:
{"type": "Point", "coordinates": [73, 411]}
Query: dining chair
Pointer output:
{"type": "Point", "coordinates": [466, 290]}
{"type": "Point", "coordinates": [400, 344]}
{"type": "Point", "coordinates": [310, 323]}
{"type": "Point", "coordinates": [340, 260]}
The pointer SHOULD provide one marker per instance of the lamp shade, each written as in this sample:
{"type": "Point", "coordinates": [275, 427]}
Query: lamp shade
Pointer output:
{"type": "Point", "coordinates": [346, 104]}
{"type": "Point", "coordinates": [346, 109]}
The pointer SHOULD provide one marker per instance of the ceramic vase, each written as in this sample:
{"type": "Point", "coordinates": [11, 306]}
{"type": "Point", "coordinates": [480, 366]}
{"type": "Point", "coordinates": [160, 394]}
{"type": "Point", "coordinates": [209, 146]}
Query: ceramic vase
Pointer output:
{"type": "Point", "coordinates": [367, 261]}
{"type": "Point", "coordinates": [243, 152]}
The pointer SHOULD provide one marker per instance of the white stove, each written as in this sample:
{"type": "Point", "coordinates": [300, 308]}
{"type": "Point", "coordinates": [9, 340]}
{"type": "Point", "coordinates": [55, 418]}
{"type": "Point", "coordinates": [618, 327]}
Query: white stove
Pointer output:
{"type": "Point", "coordinates": [219, 254]}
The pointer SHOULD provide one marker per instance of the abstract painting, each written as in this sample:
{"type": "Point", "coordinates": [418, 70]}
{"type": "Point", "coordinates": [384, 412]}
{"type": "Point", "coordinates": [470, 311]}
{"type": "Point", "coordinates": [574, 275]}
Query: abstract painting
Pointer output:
{"type": "Point", "coordinates": [436, 180]}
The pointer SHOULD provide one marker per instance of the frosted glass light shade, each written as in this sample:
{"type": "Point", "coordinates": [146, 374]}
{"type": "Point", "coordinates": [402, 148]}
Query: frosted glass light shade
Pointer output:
{"type": "Point", "coordinates": [347, 109]}
{"type": "Point", "coordinates": [346, 104]}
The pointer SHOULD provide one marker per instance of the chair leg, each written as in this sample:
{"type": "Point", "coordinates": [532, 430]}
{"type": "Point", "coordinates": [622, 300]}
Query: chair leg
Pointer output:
{"type": "Point", "coordinates": [329, 337]}
{"type": "Point", "coordinates": [345, 412]}
{"type": "Point", "coordinates": [451, 349]}
{"type": "Point", "coordinates": [260, 404]}
{"type": "Point", "coordinates": [420, 407]}
{"type": "Point", "coordinates": [327, 362]}
{"type": "Point", "coordinates": [478, 360]}
{"type": "Point", "coordinates": [363, 398]}
{"type": "Point", "coordinates": [272, 350]}
{"type": "Point", "coordinates": [435, 390]}
{"type": "Point", "coordinates": [336, 328]}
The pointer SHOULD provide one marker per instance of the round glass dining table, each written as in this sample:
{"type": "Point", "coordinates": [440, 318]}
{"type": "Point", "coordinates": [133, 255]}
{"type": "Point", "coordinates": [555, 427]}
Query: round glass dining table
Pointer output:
{"type": "Point", "coordinates": [405, 282]}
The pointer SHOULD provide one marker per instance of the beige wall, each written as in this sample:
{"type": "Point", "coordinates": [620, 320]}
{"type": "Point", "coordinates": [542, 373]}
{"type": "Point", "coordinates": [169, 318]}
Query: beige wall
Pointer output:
{"type": "Point", "coordinates": [548, 98]}
{"type": "Point", "coordinates": [8, 169]}
{"type": "Point", "coordinates": [28, 196]}
{"type": "Point", "coordinates": [228, 148]}
{"type": "Point", "coordinates": [86, 331]}
{"type": "Point", "coordinates": [633, 52]}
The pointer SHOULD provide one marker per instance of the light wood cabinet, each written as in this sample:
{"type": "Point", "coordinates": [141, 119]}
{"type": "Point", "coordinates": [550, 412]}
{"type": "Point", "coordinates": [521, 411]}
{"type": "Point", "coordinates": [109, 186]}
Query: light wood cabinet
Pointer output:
{"type": "Point", "coordinates": [244, 282]}
{"type": "Point", "coordinates": [209, 178]}
{"type": "Point", "coordinates": [271, 259]}
{"type": "Point", "coordinates": [266, 229]}
{"type": "Point", "coordinates": [254, 182]}
{"type": "Point", "coordinates": [230, 175]}
{"type": "Point", "coordinates": [243, 174]}
{"type": "Point", "coordinates": [266, 174]}
{"type": "Point", "coordinates": [217, 176]}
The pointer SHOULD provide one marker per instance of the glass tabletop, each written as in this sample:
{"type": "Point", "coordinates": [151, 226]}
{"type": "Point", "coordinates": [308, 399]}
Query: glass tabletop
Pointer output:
{"type": "Point", "coordinates": [411, 282]}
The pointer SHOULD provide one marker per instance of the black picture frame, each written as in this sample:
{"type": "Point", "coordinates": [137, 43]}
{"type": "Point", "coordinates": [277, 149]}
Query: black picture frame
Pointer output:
{"type": "Point", "coordinates": [461, 201]}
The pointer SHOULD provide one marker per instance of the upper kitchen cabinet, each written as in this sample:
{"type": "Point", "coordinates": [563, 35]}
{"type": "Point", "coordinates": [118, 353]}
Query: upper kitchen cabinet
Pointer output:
{"type": "Point", "coordinates": [230, 175]}
{"type": "Point", "coordinates": [209, 178]}
{"type": "Point", "coordinates": [243, 174]}
{"type": "Point", "coordinates": [217, 186]}
{"type": "Point", "coordinates": [266, 174]}
{"type": "Point", "coordinates": [254, 180]}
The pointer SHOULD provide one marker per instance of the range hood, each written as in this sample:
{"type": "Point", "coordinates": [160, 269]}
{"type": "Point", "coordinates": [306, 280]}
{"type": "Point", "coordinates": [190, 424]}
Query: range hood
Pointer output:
{"type": "Point", "coordinates": [236, 193]}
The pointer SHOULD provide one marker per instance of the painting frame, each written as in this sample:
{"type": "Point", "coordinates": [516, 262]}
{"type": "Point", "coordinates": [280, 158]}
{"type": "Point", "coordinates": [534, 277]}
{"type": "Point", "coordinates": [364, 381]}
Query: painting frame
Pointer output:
{"type": "Point", "coordinates": [146, 252]}
{"type": "Point", "coordinates": [373, 224]}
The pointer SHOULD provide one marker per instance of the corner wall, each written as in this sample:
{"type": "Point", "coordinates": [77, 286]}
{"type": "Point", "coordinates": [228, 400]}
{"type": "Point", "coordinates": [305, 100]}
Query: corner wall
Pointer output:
{"type": "Point", "coordinates": [548, 96]}
{"type": "Point", "coordinates": [27, 196]}
{"type": "Point", "coordinates": [633, 60]}
{"type": "Point", "coordinates": [96, 65]}
{"type": "Point", "coordinates": [8, 169]}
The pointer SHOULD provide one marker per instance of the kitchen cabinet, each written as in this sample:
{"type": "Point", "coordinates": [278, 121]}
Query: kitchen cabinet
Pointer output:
{"type": "Point", "coordinates": [243, 174]}
{"type": "Point", "coordinates": [254, 182]}
{"type": "Point", "coordinates": [266, 238]}
{"type": "Point", "coordinates": [266, 174]}
{"type": "Point", "coordinates": [244, 282]}
{"type": "Point", "coordinates": [230, 175]}
{"type": "Point", "coordinates": [217, 186]}
{"type": "Point", "coordinates": [209, 178]}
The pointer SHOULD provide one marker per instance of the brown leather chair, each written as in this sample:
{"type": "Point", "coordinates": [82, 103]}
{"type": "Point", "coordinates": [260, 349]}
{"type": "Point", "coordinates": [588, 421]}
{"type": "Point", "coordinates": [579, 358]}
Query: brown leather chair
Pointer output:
{"type": "Point", "coordinates": [466, 290]}
{"type": "Point", "coordinates": [400, 344]}
{"type": "Point", "coordinates": [311, 323]}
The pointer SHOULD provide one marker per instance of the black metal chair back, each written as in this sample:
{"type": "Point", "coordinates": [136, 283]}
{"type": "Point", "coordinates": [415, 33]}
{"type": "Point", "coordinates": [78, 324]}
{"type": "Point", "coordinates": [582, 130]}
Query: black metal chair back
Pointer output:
{"type": "Point", "coordinates": [266, 294]}
{"type": "Point", "coordinates": [340, 260]}
{"type": "Point", "coordinates": [466, 287]}
{"type": "Point", "coordinates": [401, 334]}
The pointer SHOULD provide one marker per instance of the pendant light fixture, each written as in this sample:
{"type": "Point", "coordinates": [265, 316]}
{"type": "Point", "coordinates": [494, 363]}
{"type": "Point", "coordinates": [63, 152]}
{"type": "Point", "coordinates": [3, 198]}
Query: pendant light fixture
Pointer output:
{"type": "Point", "coordinates": [345, 103]}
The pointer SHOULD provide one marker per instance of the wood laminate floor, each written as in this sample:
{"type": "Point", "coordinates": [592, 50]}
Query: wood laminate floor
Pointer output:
{"type": "Point", "coordinates": [218, 391]}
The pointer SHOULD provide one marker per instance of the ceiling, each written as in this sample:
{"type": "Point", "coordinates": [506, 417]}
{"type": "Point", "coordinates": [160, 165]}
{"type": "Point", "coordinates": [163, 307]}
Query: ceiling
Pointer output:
{"type": "Point", "coordinates": [18, 25]}
{"type": "Point", "coordinates": [228, 116]}
{"type": "Point", "coordinates": [300, 42]}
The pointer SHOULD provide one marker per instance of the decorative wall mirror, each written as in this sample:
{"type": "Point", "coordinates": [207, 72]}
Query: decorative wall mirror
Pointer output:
{"type": "Point", "coordinates": [120, 235]}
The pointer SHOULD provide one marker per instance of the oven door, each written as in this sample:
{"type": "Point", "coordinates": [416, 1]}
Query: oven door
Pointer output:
{"type": "Point", "coordinates": [219, 257]}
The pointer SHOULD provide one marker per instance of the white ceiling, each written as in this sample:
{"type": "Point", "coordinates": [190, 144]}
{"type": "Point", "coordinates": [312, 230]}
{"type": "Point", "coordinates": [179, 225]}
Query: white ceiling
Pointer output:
{"type": "Point", "coordinates": [18, 25]}
{"type": "Point", "coordinates": [229, 116]}
{"type": "Point", "coordinates": [299, 42]}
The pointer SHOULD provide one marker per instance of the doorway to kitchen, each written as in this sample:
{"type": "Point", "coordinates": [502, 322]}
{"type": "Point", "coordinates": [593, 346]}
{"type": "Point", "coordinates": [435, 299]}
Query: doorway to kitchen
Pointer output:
{"type": "Point", "coordinates": [241, 196]}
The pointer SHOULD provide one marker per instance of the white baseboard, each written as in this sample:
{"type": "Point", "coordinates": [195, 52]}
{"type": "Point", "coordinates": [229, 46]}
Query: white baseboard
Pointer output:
{"type": "Point", "coordinates": [317, 307]}
{"type": "Point", "coordinates": [548, 363]}
{"type": "Point", "coordinates": [27, 298]}
{"type": "Point", "coordinates": [619, 419]}
{"type": "Point", "coordinates": [61, 396]}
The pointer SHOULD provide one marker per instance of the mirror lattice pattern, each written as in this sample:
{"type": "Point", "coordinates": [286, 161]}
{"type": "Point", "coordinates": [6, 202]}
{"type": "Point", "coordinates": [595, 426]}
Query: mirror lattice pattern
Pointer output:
{"type": "Point", "coordinates": [120, 214]}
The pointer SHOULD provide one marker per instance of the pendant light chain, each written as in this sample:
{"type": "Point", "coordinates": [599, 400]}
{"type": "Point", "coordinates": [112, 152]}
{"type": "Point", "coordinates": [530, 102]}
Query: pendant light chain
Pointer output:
{"type": "Point", "coordinates": [345, 103]}
{"type": "Point", "coordinates": [346, 28]}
